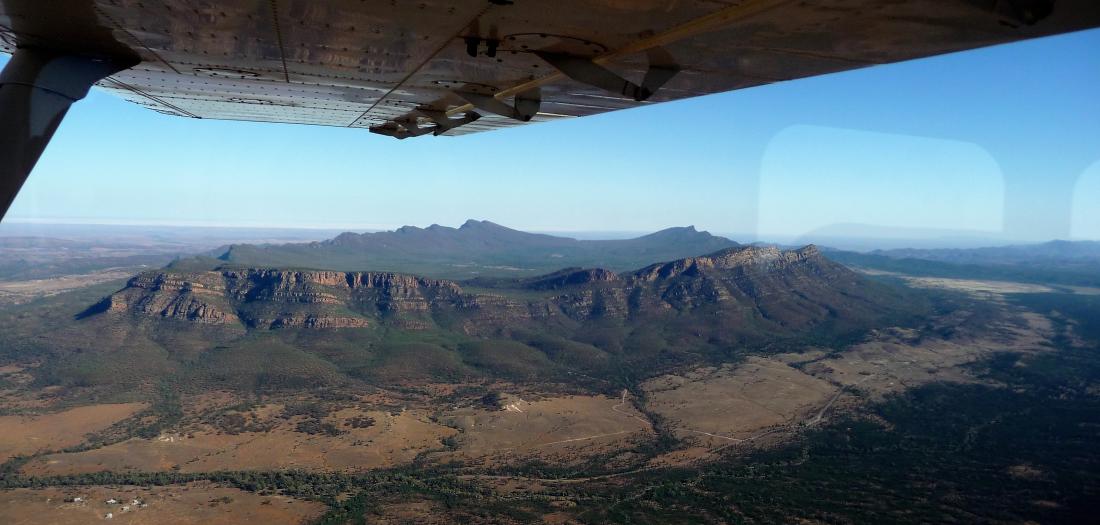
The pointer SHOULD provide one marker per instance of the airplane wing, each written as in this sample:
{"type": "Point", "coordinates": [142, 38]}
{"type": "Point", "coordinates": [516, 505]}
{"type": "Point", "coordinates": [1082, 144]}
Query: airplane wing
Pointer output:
{"type": "Point", "coordinates": [406, 68]}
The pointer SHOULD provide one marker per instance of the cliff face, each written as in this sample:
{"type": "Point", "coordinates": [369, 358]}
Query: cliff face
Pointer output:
{"type": "Point", "coordinates": [199, 299]}
{"type": "Point", "coordinates": [753, 285]}
{"type": "Point", "coordinates": [742, 260]}
{"type": "Point", "coordinates": [266, 298]}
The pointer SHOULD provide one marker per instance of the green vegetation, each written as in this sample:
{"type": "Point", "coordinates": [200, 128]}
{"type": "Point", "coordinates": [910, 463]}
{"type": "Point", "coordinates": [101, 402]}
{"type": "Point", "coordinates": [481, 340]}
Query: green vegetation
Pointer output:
{"type": "Point", "coordinates": [1077, 313]}
{"type": "Point", "coordinates": [942, 453]}
{"type": "Point", "coordinates": [507, 359]}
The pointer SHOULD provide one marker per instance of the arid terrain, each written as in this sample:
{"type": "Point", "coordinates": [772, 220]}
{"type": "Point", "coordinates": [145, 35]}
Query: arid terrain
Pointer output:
{"type": "Point", "coordinates": [18, 292]}
{"type": "Point", "coordinates": [711, 412]}
{"type": "Point", "coordinates": [189, 504]}
{"type": "Point", "coordinates": [28, 434]}
{"type": "Point", "coordinates": [219, 394]}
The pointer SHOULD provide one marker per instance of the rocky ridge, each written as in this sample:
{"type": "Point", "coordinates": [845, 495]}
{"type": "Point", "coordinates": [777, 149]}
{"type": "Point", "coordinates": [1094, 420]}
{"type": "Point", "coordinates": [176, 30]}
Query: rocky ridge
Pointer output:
{"type": "Point", "coordinates": [746, 284]}
{"type": "Point", "coordinates": [270, 298]}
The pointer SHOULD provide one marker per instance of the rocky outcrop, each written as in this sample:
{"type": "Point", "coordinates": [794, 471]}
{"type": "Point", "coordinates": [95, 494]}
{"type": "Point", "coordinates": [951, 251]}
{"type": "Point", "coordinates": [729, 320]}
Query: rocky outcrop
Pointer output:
{"type": "Point", "coordinates": [744, 259]}
{"type": "Point", "coordinates": [176, 297]}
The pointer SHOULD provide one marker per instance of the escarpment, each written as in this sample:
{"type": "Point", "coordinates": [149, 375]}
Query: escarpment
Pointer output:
{"type": "Point", "coordinates": [739, 287]}
{"type": "Point", "coordinates": [269, 298]}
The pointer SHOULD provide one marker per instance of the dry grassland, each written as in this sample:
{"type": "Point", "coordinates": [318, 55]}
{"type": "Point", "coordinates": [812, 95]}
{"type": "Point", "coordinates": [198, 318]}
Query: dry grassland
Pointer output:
{"type": "Point", "coordinates": [392, 440]}
{"type": "Point", "coordinates": [28, 434]}
{"type": "Point", "coordinates": [570, 427]}
{"type": "Point", "coordinates": [192, 504]}
{"type": "Point", "coordinates": [714, 406]}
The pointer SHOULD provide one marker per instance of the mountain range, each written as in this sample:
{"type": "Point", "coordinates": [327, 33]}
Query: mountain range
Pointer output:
{"type": "Point", "coordinates": [1052, 252]}
{"type": "Point", "coordinates": [277, 326]}
{"type": "Point", "coordinates": [746, 287]}
{"type": "Point", "coordinates": [1069, 263]}
{"type": "Point", "coordinates": [477, 248]}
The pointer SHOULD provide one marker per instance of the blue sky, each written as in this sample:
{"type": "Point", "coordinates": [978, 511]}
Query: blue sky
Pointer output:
{"type": "Point", "coordinates": [999, 142]}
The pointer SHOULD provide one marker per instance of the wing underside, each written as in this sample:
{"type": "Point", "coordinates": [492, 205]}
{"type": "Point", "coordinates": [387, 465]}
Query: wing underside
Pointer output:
{"type": "Point", "coordinates": [405, 68]}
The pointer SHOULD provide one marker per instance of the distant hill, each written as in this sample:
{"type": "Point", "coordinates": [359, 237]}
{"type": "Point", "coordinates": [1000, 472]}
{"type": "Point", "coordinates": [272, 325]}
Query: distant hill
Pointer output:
{"type": "Point", "coordinates": [477, 248]}
{"type": "Point", "coordinates": [1074, 263]}
{"type": "Point", "coordinates": [1053, 252]}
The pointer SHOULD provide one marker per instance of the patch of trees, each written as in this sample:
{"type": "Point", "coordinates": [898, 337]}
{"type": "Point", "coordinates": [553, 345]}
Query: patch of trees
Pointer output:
{"type": "Point", "coordinates": [235, 423]}
{"type": "Point", "coordinates": [310, 409]}
{"type": "Point", "coordinates": [490, 400]}
{"type": "Point", "coordinates": [941, 453]}
{"type": "Point", "coordinates": [315, 427]}
{"type": "Point", "coordinates": [359, 422]}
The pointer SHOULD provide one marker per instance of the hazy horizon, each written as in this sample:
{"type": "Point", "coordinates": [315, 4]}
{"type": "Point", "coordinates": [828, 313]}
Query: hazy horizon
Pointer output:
{"type": "Point", "coordinates": [847, 237]}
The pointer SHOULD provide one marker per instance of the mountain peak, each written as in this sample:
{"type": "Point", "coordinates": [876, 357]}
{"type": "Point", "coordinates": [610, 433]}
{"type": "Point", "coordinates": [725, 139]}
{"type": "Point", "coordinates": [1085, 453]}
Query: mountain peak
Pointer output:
{"type": "Point", "coordinates": [476, 224]}
{"type": "Point", "coordinates": [808, 250]}
{"type": "Point", "coordinates": [733, 258]}
{"type": "Point", "coordinates": [685, 234]}
{"type": "Point", "coordinates": [744, 255]}
{"type": "Point", "coordinates": [675, 230]}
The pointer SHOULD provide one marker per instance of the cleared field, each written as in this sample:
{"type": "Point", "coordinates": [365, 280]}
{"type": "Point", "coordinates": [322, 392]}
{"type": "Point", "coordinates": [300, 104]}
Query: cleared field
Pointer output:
{"type": "Point", "coordinates": [18, 292]}
{"type": "Point", "coordinates": [983, 288]}
{"type": "Point", "coordinates": [730, 404]}
{"type": "Point", "coordinates": [570, 427]}
{"type": "Point", "coordinates": [28, 434]}
{"type": "Point", "coordinates": [391, 440]}
{"type": "Point", "coordinates": [197, 503]}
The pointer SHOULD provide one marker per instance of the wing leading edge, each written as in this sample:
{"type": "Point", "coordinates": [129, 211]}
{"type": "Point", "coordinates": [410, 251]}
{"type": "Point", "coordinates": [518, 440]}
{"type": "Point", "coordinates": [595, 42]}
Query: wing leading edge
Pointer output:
{"type": "Point", "coordinates": [408, 69]}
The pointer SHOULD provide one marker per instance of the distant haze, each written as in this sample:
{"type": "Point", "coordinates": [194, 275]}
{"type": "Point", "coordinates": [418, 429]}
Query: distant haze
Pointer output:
{"type": "Point", "coordinates": [845, 236]}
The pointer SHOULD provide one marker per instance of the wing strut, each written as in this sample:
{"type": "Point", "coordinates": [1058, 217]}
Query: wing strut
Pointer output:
{"type": "Point", "coordinates": [36, 89]}
{"type": "Point", "coordinates": [662, 67]}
